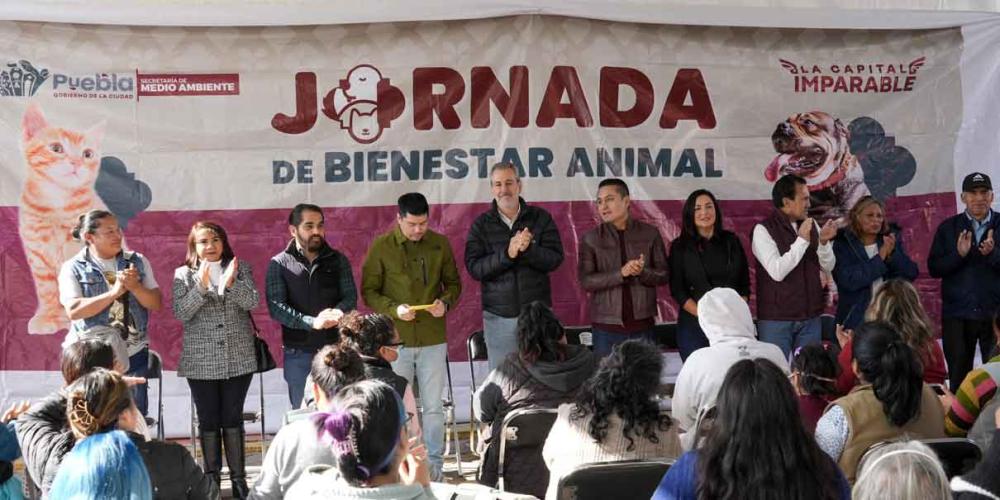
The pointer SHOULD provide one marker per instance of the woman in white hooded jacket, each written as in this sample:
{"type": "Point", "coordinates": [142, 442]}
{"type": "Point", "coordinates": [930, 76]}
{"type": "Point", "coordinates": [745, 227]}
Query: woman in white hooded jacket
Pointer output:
{"type": "Point", "coordinates": [725, 318]}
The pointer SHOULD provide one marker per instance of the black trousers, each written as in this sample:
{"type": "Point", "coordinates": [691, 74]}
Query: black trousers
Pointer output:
{"type": "Point", "coordinates": [959, 338]}
{"type": "Point", "coordinates": [220, 402]}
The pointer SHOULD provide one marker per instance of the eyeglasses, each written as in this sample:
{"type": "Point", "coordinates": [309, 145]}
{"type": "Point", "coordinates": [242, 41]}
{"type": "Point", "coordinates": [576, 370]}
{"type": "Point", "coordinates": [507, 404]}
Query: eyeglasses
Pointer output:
{"type": "Point", "coordinates": [395, 345]}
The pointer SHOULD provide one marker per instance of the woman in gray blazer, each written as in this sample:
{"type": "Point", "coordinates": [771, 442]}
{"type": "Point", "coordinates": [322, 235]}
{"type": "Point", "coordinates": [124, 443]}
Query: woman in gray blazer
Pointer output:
{"type": "Point", "coordinates": [213, 296]}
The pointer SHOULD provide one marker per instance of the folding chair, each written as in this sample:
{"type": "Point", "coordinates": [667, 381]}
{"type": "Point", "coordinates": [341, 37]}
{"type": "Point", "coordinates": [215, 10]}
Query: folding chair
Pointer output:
{"type": "Point", "coordinates": [626, 479]}
{"type": "Point", "coordinates": [523, 430]}
{"type": "Point", "coordinates": [450, 428]}
{"type": "Point", "coordinates": [155, 372]}
{"type": "Point", "coordinates": [958, 455]}
{"type": "Point", "coordinates": [475, 349]}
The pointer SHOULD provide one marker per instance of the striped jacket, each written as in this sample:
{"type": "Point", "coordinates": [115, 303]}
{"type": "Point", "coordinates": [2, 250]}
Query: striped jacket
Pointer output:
{"type": "Point", "coordinates": [218, 336]}
{"type": "Point", "coordinates": [976, 391]}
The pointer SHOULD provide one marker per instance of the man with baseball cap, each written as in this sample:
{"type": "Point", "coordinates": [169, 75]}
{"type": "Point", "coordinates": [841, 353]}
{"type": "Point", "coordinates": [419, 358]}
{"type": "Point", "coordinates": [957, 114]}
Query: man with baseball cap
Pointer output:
{"type": "Point", "coordinates": [963, 256]}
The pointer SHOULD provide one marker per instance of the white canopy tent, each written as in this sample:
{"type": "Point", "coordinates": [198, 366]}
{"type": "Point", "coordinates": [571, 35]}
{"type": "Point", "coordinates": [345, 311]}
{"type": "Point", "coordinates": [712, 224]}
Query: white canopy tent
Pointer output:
{"type": "Point", "coordinates": [834, 14]}
{"type": "Point", "coordinates": [976, 145]}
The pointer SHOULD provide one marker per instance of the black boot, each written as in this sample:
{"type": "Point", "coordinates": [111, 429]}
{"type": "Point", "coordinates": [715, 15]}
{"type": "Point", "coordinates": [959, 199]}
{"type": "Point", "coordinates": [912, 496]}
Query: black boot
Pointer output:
{"type": "Point", "coordinates": [234, 438]}
{"type": "Point", "coordinates": [211, 453]}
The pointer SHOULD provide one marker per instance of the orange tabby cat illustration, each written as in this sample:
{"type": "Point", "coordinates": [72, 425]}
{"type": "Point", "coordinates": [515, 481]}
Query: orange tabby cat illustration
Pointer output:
{"type": "Point", "coordinates": [62, 167]}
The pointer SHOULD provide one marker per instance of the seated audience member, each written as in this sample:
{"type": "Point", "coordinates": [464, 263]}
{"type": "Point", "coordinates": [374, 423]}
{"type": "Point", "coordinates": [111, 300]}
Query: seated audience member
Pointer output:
{"type": "Point", "coordinates": [373, 456]}
{"type": "Point", "coordinates": [105, 465]}
{"type": "Point", "coordinates": [983, 482]}
{"type": "Point", "coordinates": [100, 402]}
{"type": "Point", "coordinates": [974, 394]}
{"type": "Point", "coordinates": [814, 373]}
{"type": "Point", "coordinates": [756, 448]}
{"type": "Point", "coordinates": [725, 318]}
{"type": "Point", "coordinates": [898, 304]}
{"type": "Point", "coordinates": [891, 401]}
{"type": "Point", "coordinates": [615, 416]}
{"type": "Point", "coordinates": [869, 251]}
{"type": "Point", "coordinates": [43, 431]}
{"type": "Point", "coordinates": [907, 469]}
{"type": "Point", "coordinates": [544, 372]}
{"type": "Point", "coordinates": [296, 446]}
{"type": "Point", "coordinates": [10, 486]}
{"type": "Point", "coordinates": [377, 341]}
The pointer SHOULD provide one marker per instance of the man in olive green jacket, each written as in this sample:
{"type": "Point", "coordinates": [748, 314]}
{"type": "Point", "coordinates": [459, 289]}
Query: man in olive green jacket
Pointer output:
{"type": "Point", "coordinates": [410, 275]}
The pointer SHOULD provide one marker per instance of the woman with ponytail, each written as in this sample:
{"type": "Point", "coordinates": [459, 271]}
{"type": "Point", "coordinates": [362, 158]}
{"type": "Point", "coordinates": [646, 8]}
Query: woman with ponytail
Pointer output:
{"type": "Point", "coordinates": [544, 373]}
{"type": "Point", "coordinates": [374, 458]}
{"type": "Point", "coordinates": [295, 447]}
{"type": "Point", "coordinates": [891, 401]}
{"type": "Point", "coordinates": [375, 338]}
{"type": "Point", "coordinates": [108, 293]}
{"type": "Point", "coordinates": [112, 457]}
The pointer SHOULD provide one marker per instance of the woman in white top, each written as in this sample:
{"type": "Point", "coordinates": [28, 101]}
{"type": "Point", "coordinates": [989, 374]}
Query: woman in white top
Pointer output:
{"type": "Point", "coordinates": [615, 416]}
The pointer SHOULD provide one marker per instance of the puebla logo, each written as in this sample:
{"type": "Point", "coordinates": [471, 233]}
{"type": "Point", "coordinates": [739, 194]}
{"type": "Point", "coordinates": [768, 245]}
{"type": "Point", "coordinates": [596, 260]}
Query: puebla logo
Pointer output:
{"type": "Point", "coordinates": [22, 79]}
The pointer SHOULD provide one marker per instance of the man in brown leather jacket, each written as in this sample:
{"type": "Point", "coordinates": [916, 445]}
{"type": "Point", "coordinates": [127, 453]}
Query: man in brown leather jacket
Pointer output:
{"type": "Point", "coordinates": [621, 263]}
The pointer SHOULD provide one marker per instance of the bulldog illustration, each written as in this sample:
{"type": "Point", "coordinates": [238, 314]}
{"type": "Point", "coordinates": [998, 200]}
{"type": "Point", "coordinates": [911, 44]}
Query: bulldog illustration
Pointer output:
{"type": "Point", "coordinates": [816, 147]}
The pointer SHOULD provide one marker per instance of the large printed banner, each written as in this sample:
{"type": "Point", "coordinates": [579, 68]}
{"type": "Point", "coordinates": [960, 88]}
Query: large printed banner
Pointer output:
{"type": "Point", "coordinates": [168, 126]}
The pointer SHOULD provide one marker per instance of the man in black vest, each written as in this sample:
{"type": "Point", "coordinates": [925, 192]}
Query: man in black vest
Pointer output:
{"type": "Point", "coordinates": [510, 250]}
{"type": "Point", "coordinates": [309, 288]}
{"type": "Point", "coordinates": [963, 256]}
{"type": "Point", "coordinates": [790, 252]}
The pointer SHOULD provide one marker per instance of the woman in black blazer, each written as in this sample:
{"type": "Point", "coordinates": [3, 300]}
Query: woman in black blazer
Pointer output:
{"type": "Point", "coordinates": [703, 257]}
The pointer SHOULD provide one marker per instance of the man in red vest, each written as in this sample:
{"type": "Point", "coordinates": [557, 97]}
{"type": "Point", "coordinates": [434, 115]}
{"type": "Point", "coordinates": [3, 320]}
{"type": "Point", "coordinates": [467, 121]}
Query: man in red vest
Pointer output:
{"type": "Point", "coordinates": [790, 251]}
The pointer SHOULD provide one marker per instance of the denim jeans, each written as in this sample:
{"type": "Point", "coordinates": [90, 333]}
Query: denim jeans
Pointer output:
{"type": "Point", "coordinates": [790, 334]}
{"type": "Point", "coordinates": [138, 366]}
{"type": "Point", "coordinates": [428, 365]}
{"type": "Point", "coordinates": [298, 362]}
{"type": "Point", "coordinates": [690, 336]}
{"type": "Point", "coordinates": [501, 337]}
{"type": "Point", "coordinates": [604, 341]}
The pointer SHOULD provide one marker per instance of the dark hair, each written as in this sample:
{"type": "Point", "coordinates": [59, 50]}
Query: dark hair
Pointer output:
{"type": "Point", "coordinates": [817, 369]}
{"type": "Point", "coordinates": [892, 368]}
{"type": "Point", "coordinates": [616, 182]}
{"type": "Point", "coordinates": [785, 188]}
{"type": "Point", "coordinates": [367, 332]}
{"type": "Point", "coordinates": [538, 334]}
{"type": "Point", "coordinates": [688, 229]}
{"type": "Point", "coordinates": [413, 204]}
{"type": "Point", "coordinates": [191, 259]}
{"type": "Point", "coordinates": [87, 223]}
{"type": "Point", "coordinates": [335, 366]}
{"type": "Point", "coordinates": [95, 401]}
{"type": "Point", "coordinates": [364, 428]}
{"type": "Point", "coordinates": [295, 217]}
{"type": "Point", "coordinates": [624, 384]}
{"type": "Point", "coordinates": [80, 357]}
{"type": "Point", "coordinates": [757, 447]}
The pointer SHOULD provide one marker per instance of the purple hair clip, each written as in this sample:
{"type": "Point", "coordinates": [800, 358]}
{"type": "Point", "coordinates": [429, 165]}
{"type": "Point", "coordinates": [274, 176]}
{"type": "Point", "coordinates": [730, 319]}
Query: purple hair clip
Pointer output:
{"type": "Point", "coordinates": [338, 429]}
